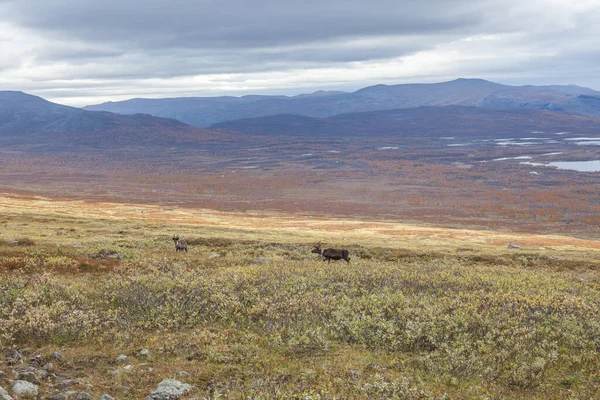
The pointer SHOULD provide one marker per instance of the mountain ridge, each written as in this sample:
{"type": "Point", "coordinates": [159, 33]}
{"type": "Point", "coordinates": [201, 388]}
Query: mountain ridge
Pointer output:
{"type": "Point", "coordinates": [27, 119]}
{"type": "Point", "coordinates": [206, 111]}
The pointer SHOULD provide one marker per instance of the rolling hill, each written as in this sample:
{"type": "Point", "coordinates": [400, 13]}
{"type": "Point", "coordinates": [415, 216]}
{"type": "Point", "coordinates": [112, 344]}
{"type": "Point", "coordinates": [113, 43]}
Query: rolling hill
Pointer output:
{"type": "Point", "coordinates": [30, 120]}
{"type": "Point", "coordinates": [421, 122]}
{"type": "Point", "coordinates": [206, 111]}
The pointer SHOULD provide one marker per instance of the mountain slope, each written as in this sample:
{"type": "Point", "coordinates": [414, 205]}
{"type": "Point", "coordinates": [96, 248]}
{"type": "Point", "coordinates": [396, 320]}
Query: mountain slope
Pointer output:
{"type": "Point", "coordinates": [432, 122]}
{"type": "Point", "coordinates": [28, 120]}
{"type": "Point", "coordinates": [205, 111]}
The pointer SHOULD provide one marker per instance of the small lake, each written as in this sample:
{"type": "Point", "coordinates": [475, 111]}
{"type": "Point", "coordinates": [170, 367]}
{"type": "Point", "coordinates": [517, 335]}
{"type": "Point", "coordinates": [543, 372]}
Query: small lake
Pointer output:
{"type": "Point", "coordinates": [582, 166]}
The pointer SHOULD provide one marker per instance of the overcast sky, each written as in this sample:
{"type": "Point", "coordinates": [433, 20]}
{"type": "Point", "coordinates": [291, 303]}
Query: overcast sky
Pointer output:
{"type": "Point", "coordinates": [81, 52]}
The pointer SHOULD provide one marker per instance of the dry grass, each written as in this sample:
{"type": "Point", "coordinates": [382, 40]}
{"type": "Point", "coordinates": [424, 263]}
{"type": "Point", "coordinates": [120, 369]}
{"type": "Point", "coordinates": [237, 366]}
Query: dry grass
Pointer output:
{"type": "Point", "coordinates": [420, 312]}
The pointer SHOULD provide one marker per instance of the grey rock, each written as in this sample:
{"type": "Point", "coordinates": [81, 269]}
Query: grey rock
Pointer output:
{"type": "Point", "coordinates": [35, 358]}
{"type": "Point", "coordinates": [70, 395]}
{"type": "Point", "coordinates": [4, 395]}
{"type": "Point", "coordinates": [58, 396]}
{"type": "Point", "coordinates": [106, 397]}
{"type": "Point", "coordinates": [2, 374]}
{"type": "Point", "coordinates": [513, 246]}
{"type": "Point", "coordinates": [48, 367]}
{"type": "Point", "coordinates": [170, 389]}
{"type": "Point", "coordinates": [67, 383]}
{"type": "Point", "coordinates": [214, 255]}
{"type": "Point", "coordinates": [24, 389]}
{"type": "Point", "coordinates": [260, 261]}
{"type": "Point", "coordinates": [183, 373]}
{"type": "Point", "coordinates": [121, 358]}
{"type": "Point", "coordinates": [144, 353]}
{"type": "Point", "coordinates": [42, 374]}
{"type": "Point", "coordinates": [13, 357]}
{"type": "Point", "coordinates": [27, 375]}
{"type": "Point", "coordinates": [353, 374]}
{"type": "Point", "coordinates": [57, 356]}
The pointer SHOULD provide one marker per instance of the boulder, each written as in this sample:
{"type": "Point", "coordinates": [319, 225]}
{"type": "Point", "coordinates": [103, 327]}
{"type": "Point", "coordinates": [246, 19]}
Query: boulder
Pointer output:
{"type": "Point", "coordinates": [169, 389]}
{"type": "Point", "coordinates": [24, 389]}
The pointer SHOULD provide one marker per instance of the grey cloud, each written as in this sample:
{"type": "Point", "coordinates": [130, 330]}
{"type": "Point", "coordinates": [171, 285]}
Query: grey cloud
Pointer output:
{"type": "Point", "coordinates": [237, 23]}
{"type": "Point", "coordinates": [111, 46]}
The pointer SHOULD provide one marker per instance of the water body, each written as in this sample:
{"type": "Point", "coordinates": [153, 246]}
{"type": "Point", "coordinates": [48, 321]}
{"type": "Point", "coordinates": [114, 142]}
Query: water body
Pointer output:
{"type": "Point", "coordinates": [582, 166]}
{"type": "Point", "coordinates": [589, 143]}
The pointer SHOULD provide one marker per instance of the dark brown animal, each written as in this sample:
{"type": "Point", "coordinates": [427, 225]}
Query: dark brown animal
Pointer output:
{"type": "Point", "coordinates": [180, 244]}
{"type": "Point", "coordinates": [331, 254]}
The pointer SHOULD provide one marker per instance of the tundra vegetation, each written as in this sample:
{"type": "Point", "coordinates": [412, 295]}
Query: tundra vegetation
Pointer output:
{"type": "Point", "coordinates": [401, 321]}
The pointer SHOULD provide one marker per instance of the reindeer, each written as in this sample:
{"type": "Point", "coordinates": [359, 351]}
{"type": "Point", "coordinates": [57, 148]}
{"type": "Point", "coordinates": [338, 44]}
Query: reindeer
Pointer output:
{"type": "Point", "coordinates": [331, 254]}
{"type": "Point", "coordinates": [180, 244]}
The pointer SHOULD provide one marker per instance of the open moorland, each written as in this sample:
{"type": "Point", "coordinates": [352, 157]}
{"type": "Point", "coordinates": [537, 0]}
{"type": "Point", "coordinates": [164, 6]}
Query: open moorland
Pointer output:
{"type": "Point", "coordinates": [421, 312]}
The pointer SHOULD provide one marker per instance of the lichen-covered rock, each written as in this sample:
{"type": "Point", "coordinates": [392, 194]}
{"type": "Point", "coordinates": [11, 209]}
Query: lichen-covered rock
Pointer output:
{"type": "Point", "coordinates": [121, 358]}
{"type": "Point", "coordinates": [71, 395]}
{"type": "Point", "coordinates": [57, 356]}
{"type": "Point", "coordinates": [24, 389]}
{"type": "Point", "coordinates": [106, 397]}
{"type": "Point", "coordinates": [170, 389]}
{"type": "Point", "coordinates": [144, 353]}
{"type": "Point", "coordinates": [67, 383]}
{"type": "Point", "coordinates": [4, 395]}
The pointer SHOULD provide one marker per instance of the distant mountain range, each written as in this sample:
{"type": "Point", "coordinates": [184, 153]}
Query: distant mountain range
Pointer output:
{"type": "Point", "coordinates": [472, 107]}
{"type": "Point", "coordinates": [207, 111]}
{"type": "Point", "coordinates": [431, 122]}
{"type": "Point", "coordinates": [27, 119]}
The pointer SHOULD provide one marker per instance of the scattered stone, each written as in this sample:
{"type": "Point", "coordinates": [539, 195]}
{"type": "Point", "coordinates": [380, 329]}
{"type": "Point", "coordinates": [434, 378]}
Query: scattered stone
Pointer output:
{"type": "Point", "coordinates": [57, 356]}
{"type": "Point", "coordinates": [125, 389]}
{"type": "Point", "coordinates": [260, 261]}
{"type": "Point", "coordinates": [513, 246]}
{"type": "Point", "coordinates": [214, 255]}
{"type": "Point", "coordinates": [144, 353]}
{"type": "Point", "coordinates": [35, 358]}
{"type": "Point", "coordinates": [106, 397]}
{"type": "Point", "coordinates": [58, 396]}
{"type": "Point", "coordinates": [48, 367]}
{"type": "Point", "coordinates": [4, 395]}
{"type": "Point", "coordinates": [24, 389]}
{"type": "Point", "coordinates": [70, 395]}
{"type": "Point", "coordinates": [121, 358]}
{"type": "Point", "coordinates": [42, 374]}
{"type": "Point", "coordinates": [183, 373]}
{"type": "Point", "coordinates": [108, 255]}
{"type": "Point", "coordinates": [27, 374]}
{"type": "Point", "coordinates": [170, 389]}
{"type": "Point", "coordinates": [353, 374]}
{"type": "Point", "coordinates": [13, 357]}
{"type": "Point", "coordinates": [2, 375]}
{"type": "Point", "coordinates": [67, 383]}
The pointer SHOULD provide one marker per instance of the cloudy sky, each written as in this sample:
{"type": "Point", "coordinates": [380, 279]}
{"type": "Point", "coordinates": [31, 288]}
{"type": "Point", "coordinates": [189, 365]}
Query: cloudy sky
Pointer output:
{"type": "Point", "coordinates": [81, 52]}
